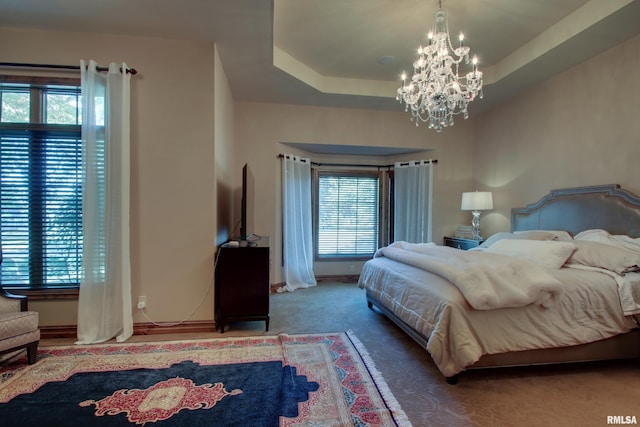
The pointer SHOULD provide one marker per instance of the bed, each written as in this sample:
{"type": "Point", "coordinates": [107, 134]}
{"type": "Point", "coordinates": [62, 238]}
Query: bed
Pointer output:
{"type": "Point", "coordinates": [584, 306]}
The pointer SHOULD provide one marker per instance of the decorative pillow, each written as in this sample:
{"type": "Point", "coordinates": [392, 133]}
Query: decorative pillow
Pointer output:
{"type": "Point", "coordinates": [561, 235]}
{"type": "Point", "coordinates": [522, 235]}
{"type": "Point", "coordinates": [603, 255]}
{"type": "Point", "coordinates": [550, 254]}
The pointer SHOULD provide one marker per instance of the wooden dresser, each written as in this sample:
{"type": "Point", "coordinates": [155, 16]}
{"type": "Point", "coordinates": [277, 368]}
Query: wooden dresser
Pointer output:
{"type": "Point", "coordinates": [242, 285]}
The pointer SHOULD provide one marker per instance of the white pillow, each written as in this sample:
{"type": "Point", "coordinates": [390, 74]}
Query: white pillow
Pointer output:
{"type": "Point", "coordinates": [561, 235]}
{"type": "Point", "coordinates": [595, 234]}
{"type": "Point", "coordinates": [603, 255]}
{"type": "Point", "coordinates": [522, 235]}
{"type": "Point", "coordinates": [545, 253]}
{"type": "Point", "coordinates": [602, 236]}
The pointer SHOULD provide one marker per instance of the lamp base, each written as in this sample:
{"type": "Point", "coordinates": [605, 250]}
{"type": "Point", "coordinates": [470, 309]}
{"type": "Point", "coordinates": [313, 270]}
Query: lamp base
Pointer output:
{"type": "Point", "coordinates": [475, 223]}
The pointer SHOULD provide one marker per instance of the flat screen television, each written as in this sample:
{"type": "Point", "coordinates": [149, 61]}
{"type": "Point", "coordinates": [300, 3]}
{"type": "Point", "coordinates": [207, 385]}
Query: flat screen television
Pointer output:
{"type": "Point", "coordinates": [246, 207]}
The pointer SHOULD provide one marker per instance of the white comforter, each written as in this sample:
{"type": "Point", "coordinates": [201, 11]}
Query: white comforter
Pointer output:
{"type": "Point", "coordinates": [487, 281]}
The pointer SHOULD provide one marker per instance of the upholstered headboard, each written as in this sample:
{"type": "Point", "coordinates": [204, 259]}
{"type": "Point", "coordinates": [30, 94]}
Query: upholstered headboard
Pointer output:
{"type": "Point", "coordinates": [576, 209]}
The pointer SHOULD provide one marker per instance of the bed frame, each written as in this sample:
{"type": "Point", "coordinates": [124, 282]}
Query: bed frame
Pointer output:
{"type": "Point", "coordinates": [607, 207]}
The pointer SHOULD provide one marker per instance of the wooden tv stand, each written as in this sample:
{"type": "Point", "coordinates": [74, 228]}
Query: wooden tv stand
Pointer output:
{"type": "Point", "coordinates": [242, 285]}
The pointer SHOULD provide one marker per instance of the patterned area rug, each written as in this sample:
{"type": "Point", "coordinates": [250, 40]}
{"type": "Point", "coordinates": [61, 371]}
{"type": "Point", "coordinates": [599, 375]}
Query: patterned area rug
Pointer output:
{"type": "Point", "coordinates": [285, 380]}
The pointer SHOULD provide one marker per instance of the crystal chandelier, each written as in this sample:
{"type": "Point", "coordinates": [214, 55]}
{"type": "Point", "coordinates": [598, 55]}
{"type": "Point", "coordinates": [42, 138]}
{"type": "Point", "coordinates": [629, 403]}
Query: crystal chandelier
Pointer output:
{"type": "Point", "coordinates": [436, 92]}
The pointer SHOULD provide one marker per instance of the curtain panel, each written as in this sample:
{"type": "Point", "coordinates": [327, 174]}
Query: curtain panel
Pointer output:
{"type": "Point", "coordinates": [413, 188]}
{"type": "Point", "coordinates": [297, 223]}
{"type": "Point", "coordinates": [104, 307]}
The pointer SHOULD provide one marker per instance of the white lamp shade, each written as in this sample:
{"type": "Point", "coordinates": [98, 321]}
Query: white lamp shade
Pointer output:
{"type": "Point", "coordinates": [477, 201]}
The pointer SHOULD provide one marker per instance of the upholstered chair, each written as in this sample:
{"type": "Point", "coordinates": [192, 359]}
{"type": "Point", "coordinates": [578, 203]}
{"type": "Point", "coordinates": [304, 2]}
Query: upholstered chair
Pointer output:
{"type": "Point", "coordinates": [18, 326]}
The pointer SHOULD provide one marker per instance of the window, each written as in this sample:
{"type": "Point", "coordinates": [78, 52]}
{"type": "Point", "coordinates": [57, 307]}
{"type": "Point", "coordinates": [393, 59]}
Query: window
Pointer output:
{"type": "Point", "coordinates": [40, 183]}
{"type": "Point", "coordinates": [348, 216]}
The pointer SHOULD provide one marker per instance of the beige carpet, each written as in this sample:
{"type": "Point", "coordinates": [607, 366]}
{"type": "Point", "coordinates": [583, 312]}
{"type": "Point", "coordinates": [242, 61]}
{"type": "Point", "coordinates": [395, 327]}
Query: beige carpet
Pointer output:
{"type": "Point", "coordinates": [576, 395]}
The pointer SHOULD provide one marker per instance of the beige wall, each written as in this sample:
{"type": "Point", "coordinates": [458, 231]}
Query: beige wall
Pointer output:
{"type": "Point", "coordinates": [579, 128]}
{"type": "Point", "coordinates": [224, 170]}
{"type": "Point", "coordinates": [173, 227]}
{"type": "Point", "coordinates": [262, 128]}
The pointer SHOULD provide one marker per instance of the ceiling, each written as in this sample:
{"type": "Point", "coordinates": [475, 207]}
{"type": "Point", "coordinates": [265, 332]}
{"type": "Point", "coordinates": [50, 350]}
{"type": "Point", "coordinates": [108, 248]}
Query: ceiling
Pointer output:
{"type": "Point", "coordinates": [327, 52]}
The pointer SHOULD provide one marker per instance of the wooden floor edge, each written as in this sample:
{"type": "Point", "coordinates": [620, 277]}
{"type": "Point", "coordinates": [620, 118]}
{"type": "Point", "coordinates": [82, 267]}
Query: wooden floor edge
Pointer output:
{"type": "Point", "coordinates": [70, 331]}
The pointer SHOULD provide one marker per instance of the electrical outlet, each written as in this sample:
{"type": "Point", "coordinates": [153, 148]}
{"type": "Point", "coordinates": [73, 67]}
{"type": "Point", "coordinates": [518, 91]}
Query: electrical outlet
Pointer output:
{"type": "Point", "coordinates": [142, 302]}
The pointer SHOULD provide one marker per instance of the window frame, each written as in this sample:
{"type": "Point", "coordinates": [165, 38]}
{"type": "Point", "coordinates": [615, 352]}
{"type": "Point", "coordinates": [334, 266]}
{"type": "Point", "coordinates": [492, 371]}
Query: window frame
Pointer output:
{"type": "Point", "coordinates": [39, 86]}
{"type": "Point", "coordinates": [385, 207]}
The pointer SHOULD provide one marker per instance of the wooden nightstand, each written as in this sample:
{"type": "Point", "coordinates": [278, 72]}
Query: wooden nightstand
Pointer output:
{"type": "Point", "coordinates": [459, 243]}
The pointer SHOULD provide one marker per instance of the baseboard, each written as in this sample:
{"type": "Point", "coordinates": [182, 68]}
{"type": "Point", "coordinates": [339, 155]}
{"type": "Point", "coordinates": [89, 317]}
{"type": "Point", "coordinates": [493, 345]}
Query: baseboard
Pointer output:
{"type": "Point", "coordinates": [70, 331]}
{"type": "Point", "coordinates": [182, 328]}
{"type": "Point", "coordinates": [66, 331]}
{"type": "Point", "coordinates": [342, 278]}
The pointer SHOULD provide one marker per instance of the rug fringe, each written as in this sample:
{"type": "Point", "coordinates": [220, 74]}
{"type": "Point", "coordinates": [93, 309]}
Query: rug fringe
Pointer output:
{"type": "Point", "coordinates": [393, 405]}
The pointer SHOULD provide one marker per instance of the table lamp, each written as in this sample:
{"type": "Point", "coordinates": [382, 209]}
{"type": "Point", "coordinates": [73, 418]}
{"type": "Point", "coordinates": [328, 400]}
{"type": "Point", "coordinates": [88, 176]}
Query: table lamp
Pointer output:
{"type": "Point", "coordinates": [476, 201]}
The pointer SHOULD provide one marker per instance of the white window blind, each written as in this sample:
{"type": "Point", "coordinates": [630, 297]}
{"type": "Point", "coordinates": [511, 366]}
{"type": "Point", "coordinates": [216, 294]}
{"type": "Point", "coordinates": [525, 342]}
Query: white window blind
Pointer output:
{"type": "Point", "coordinates": [348, 215]}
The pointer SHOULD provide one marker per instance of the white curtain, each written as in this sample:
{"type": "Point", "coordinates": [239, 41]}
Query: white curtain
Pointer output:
{"type": "Point", "coordinates": [297, 225]}
{"type": "Point", "coordinates": [413, 187]}
{"type": "Point", "coordinates": [104, 308]}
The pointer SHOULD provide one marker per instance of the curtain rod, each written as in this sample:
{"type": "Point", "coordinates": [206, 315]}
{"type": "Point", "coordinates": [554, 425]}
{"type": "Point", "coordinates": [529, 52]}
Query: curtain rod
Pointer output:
{"type": "Point", "coordinates": [281, 156]}
{"type": "Point", "coordinates": [131, 71]}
